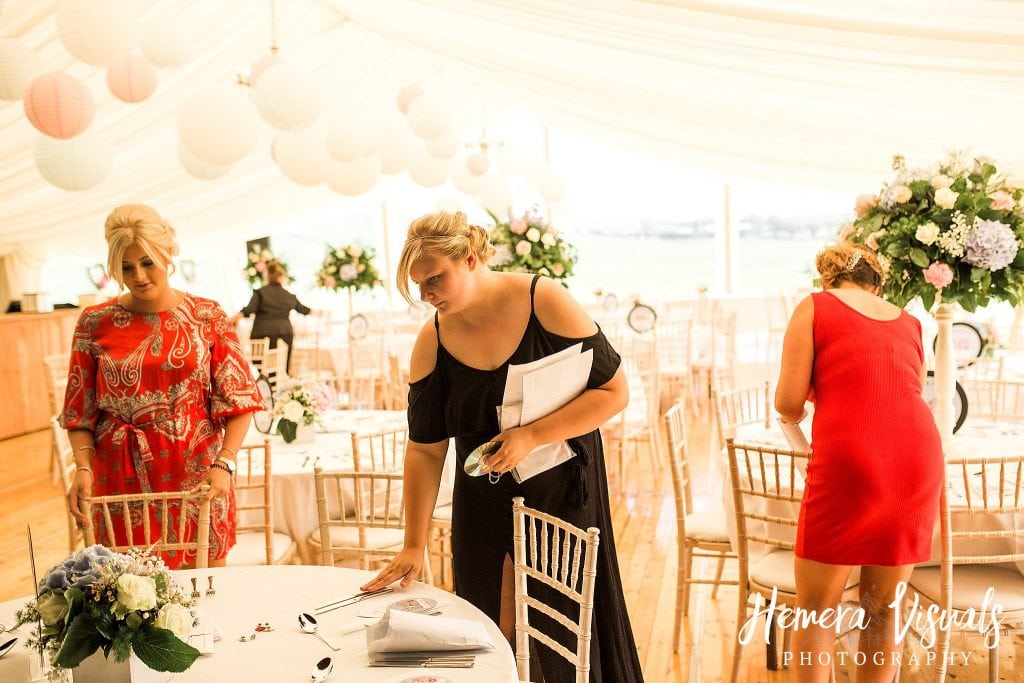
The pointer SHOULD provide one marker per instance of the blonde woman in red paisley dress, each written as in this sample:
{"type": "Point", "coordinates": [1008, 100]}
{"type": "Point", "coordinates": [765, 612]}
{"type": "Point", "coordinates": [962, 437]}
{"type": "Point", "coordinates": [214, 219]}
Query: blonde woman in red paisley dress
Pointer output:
{"type": "Point", "coordinates": [159, 391]}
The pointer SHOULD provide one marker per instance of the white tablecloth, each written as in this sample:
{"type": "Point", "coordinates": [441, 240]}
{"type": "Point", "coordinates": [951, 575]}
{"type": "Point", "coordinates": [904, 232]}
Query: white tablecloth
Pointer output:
{"type": "Point", "coordinates": [247, 596]}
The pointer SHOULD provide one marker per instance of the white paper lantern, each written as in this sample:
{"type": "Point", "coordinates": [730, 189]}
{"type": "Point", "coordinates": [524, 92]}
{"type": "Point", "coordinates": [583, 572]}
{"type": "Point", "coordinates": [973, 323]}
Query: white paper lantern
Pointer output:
{"type": "Point", "coordinates": [77, 164]}
{"type": "Point", "coordinates": [98, 32]}
{"type": "Point", "coordinates": [446, 146]}
{"type": "Point", "coordinates": [352, 178]}
{"type": "Point", "coordinates": [478, 163]}
{"type": "Point", "coordinates": [395, 145]}
{"type": "Point", "coordinates": [199, 168]}
{"type": "Point", "coordinates": [348, 140]}
{"type": "Point", "coordinates": [260, 66]}
{"type": "Point", "coordinates": [463, 180]}
{"type": "Point", "coordinates": [288, 96]}
{"type": "Point", "coordinates": [510, 160]}
{"type": "Point", "coordinates": [430, 116]}
{"type": "Point", "coordinates": [427, 171]}
{"type": "Point", "coordinates": [219, 126]}
{"type": "Point", "coordinates": [302, 156]}
{"type": "Point", "coordinates": [407, 95]}
{"type": "Point", "coordinates": [19, 66]}
{"type": "Point", "coordinates": [496, 196]}
{"type": "Point", "coordinates": [167, 43]}
{"type": "Point", "coordinates": [131, 80]}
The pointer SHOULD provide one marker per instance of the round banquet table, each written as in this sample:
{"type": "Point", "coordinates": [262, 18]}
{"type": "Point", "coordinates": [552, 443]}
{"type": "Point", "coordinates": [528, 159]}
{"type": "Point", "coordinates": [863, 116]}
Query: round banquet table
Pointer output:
{"type": "Point", "coordinates": [246, 596]}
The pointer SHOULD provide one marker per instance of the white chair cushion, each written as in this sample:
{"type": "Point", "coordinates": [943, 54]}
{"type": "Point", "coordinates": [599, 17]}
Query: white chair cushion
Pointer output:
{"type": "Point", "coordinates": [776, 569]}
{"type": "Point", "coordinates": [707, 526]}
{"type": "Point", "coordinates": [970, 582]}
{"type": "Point", "coordinates": [251, 548]}
{"type": "Point", "coordinates": [376, 539]}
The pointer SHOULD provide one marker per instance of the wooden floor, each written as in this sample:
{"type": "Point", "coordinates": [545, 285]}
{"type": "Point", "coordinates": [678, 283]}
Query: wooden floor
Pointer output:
{"type": "Point", "coordinates": [644, 520]}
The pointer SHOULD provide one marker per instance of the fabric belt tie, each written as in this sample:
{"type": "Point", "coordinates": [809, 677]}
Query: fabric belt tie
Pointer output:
{"type": "Point", "coordinates": [134, 450]}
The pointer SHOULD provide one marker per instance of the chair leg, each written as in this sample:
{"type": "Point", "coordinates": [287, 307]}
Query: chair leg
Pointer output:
{"type": "Point", "coordinates": [993, 665]}
{"type": "Point", "coordinates": [718, 577]}
{"type": "Point", "coordinates": [737, 646]}
{"type": "Point", "coordinates": [686, 572]}
{"type": "Point", "coordinates": [787, 633]}
{"type": "Point", "coordinates": [771, 645]}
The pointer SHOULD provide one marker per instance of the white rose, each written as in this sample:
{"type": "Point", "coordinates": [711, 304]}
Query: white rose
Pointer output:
{"type": "Point", "coordinates": [355, 251]}
{"type": "Point", "coordinates": [901, 194]}
{"type": "Point", "coordinates": [533, 234]}
{"type": "Point", "coordinates": [547, 239]}
{"type": "Point", "coordinates": [332, 269]}
{"type": "Point", "coordinates": [523, 248]}
{"type": "Point", "coordinates": [136, 592]}
{"type": "Point", "coordinates": [252, 271]}
{"type": "Point", "coordinates": [175, 619]}
{"type": "Point", "coordinates": [338, 253]}
{"type": "Point", "coordinates": [927, 233]}
{"type": "Point", "coordinates": [52, 607]}
{"type": "Point", "coordinates": [293, 411]}
{"type": "Point", "coordinates": [941, 181]}
{"type": "Point", "coordinates": [945, 198]}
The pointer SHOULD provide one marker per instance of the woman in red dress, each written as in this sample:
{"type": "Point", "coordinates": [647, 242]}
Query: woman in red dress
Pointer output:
{"type": "Point", "coordinates": [159, 392]}
{"type": "Point", "coordinates": [872, 491]}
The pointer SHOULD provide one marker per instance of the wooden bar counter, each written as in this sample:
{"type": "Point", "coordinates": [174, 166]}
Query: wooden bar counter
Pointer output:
{"type": "Point", "coordinates": [25, 340]}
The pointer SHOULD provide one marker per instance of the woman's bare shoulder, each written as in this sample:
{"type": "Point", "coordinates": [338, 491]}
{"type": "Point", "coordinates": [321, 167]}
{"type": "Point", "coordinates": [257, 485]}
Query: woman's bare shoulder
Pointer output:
{"type": "Point", "coordinates": [424, 352]}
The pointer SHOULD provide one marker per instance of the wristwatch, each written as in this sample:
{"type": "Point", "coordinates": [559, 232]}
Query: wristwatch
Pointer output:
{"type": "Point", "coordinates": [229, 464]}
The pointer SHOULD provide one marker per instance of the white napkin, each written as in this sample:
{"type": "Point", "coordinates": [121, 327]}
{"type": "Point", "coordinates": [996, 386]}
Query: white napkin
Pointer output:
{"type": "Point", "coordinates": [204, 633]}
{"type": "Point", "coordinates": [401, 631]}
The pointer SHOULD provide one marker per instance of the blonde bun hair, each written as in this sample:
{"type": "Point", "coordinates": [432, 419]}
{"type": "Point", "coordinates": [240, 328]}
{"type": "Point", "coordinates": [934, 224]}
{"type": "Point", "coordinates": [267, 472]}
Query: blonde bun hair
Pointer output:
{"type": "Point", "coordinates": [849, 263]}
{"type": "Point", "coordinates": [442, 235]}
{"type": "Point", "coordinates": [142, 225]}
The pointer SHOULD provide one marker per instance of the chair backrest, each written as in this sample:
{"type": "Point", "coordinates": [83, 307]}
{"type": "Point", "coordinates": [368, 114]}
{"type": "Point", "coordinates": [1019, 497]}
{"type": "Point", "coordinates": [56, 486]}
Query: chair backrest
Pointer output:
{"type": "Point", "coordinates": [986, 368]}
{"type": "Point", "coordinates": [398, 384]}
{"type": "Point", "coordinates": [735, 408]}
{"type": "Point", "coordinates": [675, 427]}
{"type": "Point", "coordinates": [562, 557]}
{"type": "Point", "coordinates": [64, 457]}
{"type": "Point", "coordinates": [258, 348]}
{"type": "Point", "coordinates": [275, 365]}
{"type": "Point", "coordinates": [640, 365]}
{"type": "Point", "coordinates": [379, 451]}
{"type": "Point", "coordinates": [155, 510]}
{"type": "Point", "coordinates": [377, 504]}
{"type": "Point", "coordinates": [254, 474]}
{"type": "Point", "coordinates": [983, 486]}
{"type": "Point", "coordinates": [761, 475]}
{"type": "Point", "coordinates": [351, 392]}
{"type": "Point", "coordinates": [995, 399]}
{"type": "Point", "coordinates": [57, 372]}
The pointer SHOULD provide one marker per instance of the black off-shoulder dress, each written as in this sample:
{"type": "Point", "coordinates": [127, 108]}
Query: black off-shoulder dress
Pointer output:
{"type": "Point", "coordinates": [456, 400]}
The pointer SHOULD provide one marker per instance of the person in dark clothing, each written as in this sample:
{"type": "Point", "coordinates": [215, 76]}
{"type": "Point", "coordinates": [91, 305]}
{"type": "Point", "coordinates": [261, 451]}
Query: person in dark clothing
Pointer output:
{"type": "Point", "coordinates": [271, 305]}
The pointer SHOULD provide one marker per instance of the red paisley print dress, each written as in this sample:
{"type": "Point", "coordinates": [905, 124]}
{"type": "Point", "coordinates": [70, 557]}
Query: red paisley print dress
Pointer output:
{"type": "Point", "coordinates": [155, 389]}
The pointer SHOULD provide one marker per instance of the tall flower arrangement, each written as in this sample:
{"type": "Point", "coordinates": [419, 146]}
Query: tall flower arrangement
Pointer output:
{"type": "Point", "coordinates": [120, 603]}
{"type": "Point", "coordinates": [257, 265]}
{"type": "Point", "coordinates": [954, 230]}
{"type": "Point", "coordinates": [349, 267]}
{"type": "Point", "coordinates": [530, 245]}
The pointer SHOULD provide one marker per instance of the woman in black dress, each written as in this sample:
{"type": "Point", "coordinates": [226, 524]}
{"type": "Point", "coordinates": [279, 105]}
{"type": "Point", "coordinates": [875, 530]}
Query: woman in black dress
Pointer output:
{"type": "Point", "coordinates": [485, 321]}
{"type": "Point", "coordinates": [271, 305]}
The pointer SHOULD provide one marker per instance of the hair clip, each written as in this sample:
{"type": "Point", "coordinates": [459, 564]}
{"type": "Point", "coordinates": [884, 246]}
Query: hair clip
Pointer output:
{"type": "Point", "coordinates": [854, 260]}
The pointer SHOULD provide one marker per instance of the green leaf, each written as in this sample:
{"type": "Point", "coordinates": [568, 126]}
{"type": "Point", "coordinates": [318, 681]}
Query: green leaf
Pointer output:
{"type": "Point", "coordinates": [161, 650]}
{"type": "Point", "coordinates": [977, 274]}
{"type": "Point", "coordinates": [919, 258]}
{"type": "Point", "coordinates": [928, 298]}
{"type": "Point", "coordinates": [75, 599]}
{"type": "Point", "coordinates": [81, 640]}
{"type": "Point", "coordinates": [106, 625]}
{"type": "Point", "coordinates": [897, 249]}
{"type": "Point", "coordinates": [1018, 261]}
{"type": "Point", "coordinates": [286, 428]}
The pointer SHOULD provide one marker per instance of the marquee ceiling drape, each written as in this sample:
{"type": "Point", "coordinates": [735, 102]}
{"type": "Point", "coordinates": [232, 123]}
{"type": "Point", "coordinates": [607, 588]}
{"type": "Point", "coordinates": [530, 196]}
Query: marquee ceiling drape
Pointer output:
{"type": "Point", "coordinates": [821, 92]}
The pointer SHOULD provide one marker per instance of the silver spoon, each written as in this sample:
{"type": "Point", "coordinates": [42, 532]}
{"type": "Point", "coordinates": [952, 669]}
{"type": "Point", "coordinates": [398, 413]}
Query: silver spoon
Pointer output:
{"type": "Point", "coordinates": [322, 670]}
{"type": "Point", "coordinates": [8, 646]}
{"type": "Point", "coordinates": [308, 624]}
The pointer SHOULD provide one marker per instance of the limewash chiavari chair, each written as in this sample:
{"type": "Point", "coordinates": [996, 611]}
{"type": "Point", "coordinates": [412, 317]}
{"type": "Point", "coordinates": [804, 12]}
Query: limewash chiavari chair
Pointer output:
{"type": "Point", "coordinates": [673, 335]}
{"type": "Point", "coordinates": [159, 504]}
{"type": "Point", "coordinates": [766, 492]}
{"type": "Point", "coordinates": [983, 368]}
{"type": "Point", "coordinates": [351, 392]}
{"type": "Point", "coordinates": [995, 399]}
{"type": "Point", "coordinates": [701, 535]}
{"type": "Point", "coordinates": [735, 408]}
{"type": "Point", "coordinates": [713, 351]}
{"type": "Point", "coordinates": [257, 542]}
{"type": "Point", "coordinates": [379, 451]}
{"type": "Point", "coordinates": [440, 543]}
{"type": "Point", "coordinates": [57, 372]}
{"type": "Point", "coordinates": [638, 422]}
{"type": "Point", "coordinates": [562, 557]}
{"type": "Point", "coordinates": [64, 457]}
{"type": "Point", "coordinates": [979, 506]}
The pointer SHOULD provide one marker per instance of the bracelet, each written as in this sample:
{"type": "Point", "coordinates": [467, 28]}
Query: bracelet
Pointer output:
{"type": "Point", "coordinates": [87, 448]}
{"type": "Point", "coordinates": [220, 467]}
{"type": "Point", "coordinates": [84, 469]}
{"type": "Point", "coordinates": [233, 453]}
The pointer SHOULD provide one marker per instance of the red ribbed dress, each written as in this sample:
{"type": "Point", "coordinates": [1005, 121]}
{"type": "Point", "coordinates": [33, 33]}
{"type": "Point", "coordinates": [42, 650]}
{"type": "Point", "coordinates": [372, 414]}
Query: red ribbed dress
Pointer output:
{"type": "Point", "coordinates": [873, 482]}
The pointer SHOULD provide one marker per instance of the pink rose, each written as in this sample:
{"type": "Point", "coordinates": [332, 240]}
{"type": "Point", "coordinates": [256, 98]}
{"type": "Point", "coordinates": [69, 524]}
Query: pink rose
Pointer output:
{"type": "Point", "coordinates": [1002, 201]}
{"type": "Point", "coordinates": [845, 231]}
{"type": "Point", "coordinates": [261, 266]}
{"type": "Point", "coordinates": [872, 240]}
{"type": "Point", "coordinates": [518, 226]}
{"type": "Point", "coordinates": [938, 275]}
{"type": "Point", "coordinates": [864, 204]}
{"type": "Point", "coordinates": [329, 281]}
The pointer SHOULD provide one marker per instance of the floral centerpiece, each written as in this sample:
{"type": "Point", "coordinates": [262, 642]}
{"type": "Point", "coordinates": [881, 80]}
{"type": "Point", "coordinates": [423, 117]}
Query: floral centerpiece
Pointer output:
{"type": "Point", "coordinates": [955, 230]}
{"type": "Point", "coordinates": [349, 267]}
{"type": "Point", "coordinates": [529, 245]}
{"type": "Point", "coordinates": [120, 603]}
{"type": "Point", "coordinates": [299, 403]}
{"type": "Point", "coordinates": [257, 266]}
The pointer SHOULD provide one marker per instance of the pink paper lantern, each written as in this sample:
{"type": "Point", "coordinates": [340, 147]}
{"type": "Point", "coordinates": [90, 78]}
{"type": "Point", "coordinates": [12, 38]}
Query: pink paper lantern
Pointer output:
{"type": "Point", "coordinates": [58, 105]}
{"type": "Point", "coordinates": [477, 163]}
{"type": "Point", "coordinates": [132, 80]}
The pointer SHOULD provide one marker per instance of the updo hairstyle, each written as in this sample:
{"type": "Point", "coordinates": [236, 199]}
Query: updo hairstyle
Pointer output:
{"type": "Point", "coordinates": [849, 263]}
{"type": "Point", "coordinates": [138, 224]}
{"type": "Point", "coordinates": [275, 273]}
{"type": "Point", "coordinates": [441, 235]}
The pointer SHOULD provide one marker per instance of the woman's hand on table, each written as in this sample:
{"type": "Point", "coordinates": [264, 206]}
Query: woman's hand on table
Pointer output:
{"type": "Point", "coordinates": [405, 566]}
{"type": "Point", "coordinates": [516, 444]}
{"type": "Point", "coordinates": [79, 491]}
{"type": "Point", "coordinates": [219, 482]}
